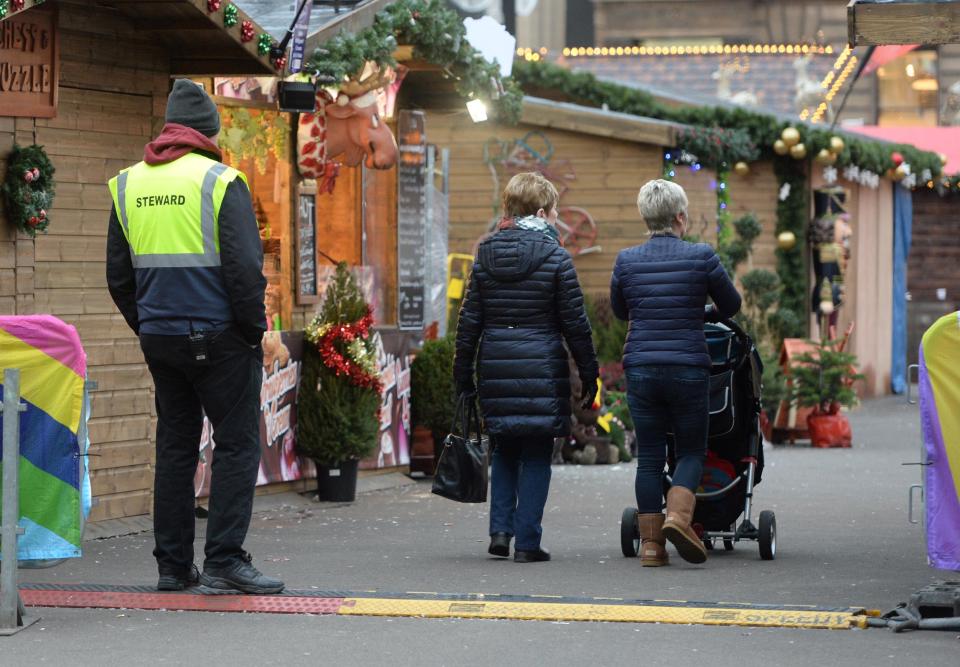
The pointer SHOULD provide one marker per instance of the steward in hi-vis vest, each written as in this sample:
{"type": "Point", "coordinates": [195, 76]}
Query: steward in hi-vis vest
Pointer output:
{"type": "Point", "coordinates": [185, 268]}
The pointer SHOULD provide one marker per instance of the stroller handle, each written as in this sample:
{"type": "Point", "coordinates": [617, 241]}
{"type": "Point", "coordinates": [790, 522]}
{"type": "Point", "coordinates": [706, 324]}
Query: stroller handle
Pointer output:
{"type": "Point", "coordinates": [738, 331]}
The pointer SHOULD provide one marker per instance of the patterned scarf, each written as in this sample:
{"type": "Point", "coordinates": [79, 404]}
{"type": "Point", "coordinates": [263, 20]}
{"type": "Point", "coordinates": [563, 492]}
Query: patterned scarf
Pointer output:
{"type": "Point", "coordinates": [531, 223]}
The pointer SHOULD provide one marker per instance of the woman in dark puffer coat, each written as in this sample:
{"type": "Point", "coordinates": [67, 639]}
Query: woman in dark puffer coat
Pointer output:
{"type": "Point", "coordinates": [523, 302]}
{"type": "Point", "coordinates": [661, 287]}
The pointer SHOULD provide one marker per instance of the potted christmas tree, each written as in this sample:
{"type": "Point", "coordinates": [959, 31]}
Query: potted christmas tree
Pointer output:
{"type": "Point", "coordinates": [433, 397]}
{"type": "Point", "coordinates": [338, 406]}
{"type": "Point", "coordinates": [823, 380]}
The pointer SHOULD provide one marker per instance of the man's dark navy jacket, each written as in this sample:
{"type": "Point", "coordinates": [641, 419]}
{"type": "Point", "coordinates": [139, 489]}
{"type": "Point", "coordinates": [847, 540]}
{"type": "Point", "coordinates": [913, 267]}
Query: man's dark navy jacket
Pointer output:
{"type": "Point", "coordinates": [661, 287]}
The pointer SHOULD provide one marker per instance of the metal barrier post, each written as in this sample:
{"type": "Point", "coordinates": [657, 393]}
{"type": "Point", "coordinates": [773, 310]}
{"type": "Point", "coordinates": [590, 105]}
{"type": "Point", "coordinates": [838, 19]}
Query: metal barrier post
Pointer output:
{"type": "Point", "coordinates": [10, 607]}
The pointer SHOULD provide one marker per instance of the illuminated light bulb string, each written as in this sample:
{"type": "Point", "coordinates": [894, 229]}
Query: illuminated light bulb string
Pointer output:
{"type": "Point", "coordinates": [675, 159]}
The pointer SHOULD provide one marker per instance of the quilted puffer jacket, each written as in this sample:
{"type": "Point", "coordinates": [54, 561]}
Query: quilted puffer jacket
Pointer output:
{"type": "Point", "coordinates": [523, 302]}
{"type": "Point", "coordinates": [661, 287]}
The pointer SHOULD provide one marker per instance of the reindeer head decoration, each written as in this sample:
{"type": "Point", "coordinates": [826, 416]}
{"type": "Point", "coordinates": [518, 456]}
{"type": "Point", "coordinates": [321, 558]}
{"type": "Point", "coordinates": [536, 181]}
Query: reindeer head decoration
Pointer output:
{"type": "Point", "coordinates": [347, 126]}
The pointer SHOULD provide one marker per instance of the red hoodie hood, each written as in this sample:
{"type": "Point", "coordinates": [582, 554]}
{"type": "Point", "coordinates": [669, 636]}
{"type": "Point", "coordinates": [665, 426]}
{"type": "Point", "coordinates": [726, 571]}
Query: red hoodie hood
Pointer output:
{"type": "Point", "coordinates": [175, 141]}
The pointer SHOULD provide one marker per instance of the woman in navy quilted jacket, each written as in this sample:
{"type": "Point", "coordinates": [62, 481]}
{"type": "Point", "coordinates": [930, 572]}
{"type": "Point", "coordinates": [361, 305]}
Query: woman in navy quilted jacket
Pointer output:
{"type": "Point", "coordinates": [661, 287]}
{"type": "Point", "coordinates": [523, 302]}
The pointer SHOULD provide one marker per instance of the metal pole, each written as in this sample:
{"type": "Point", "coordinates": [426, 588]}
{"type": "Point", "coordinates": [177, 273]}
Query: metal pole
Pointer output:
{"type": "Point", "coordinates": [9, 595]}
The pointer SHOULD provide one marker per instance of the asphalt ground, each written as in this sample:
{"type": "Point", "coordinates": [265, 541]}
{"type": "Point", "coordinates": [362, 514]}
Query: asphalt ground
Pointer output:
{"type": "Point", "coordinates": [843, 540]}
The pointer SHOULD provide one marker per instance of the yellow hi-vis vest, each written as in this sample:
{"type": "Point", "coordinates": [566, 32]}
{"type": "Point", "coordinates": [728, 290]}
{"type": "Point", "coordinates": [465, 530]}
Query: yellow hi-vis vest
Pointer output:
{"type": "Point", "coordinates": [169, 212]}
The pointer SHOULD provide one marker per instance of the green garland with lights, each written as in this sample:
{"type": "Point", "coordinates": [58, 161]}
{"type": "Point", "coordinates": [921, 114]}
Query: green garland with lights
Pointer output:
{"type": "Point", "coordinates": [437, 36]}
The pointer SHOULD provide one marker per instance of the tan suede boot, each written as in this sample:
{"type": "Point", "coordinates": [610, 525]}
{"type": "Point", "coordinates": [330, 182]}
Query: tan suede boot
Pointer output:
{"type": "Point", "coordinates": [653, 552]}
{"type": "Point", "coordinates": [677, 529]}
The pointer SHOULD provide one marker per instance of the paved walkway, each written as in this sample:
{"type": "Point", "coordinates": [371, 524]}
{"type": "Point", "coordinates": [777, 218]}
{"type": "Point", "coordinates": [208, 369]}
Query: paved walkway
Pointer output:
{"type": "Point", "coordinates": [844, 541]}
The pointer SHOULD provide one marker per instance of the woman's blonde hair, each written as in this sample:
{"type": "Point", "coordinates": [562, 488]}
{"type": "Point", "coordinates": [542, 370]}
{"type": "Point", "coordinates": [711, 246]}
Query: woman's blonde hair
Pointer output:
{"type": "Point", "coordinates": [659, 202]}
{"type": "Point", "coordinates": [527, 193]}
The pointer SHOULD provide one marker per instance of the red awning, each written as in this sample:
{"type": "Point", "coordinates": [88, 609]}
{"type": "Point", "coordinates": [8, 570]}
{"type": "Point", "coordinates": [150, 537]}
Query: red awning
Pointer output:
{"type": "Point", "coordinates": [944, 140]}
{"type": "Point", "coordinates": [884, 54]}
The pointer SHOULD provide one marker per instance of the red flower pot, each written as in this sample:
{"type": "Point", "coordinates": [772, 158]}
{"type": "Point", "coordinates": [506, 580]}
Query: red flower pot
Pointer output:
{"type": "Point", "coordinates": [829, 429]}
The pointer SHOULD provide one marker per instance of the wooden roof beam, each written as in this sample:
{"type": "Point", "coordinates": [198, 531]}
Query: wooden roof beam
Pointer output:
{"type": "Point", "coordinates": [597, 122]}
{"type": "Point", "coordinates": [878, 22]}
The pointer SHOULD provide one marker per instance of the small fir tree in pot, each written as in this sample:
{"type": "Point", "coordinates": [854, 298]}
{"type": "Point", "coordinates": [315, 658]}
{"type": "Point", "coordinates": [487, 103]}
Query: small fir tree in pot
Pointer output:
{"type": "Point", "coordinates": [823, 380]}
{"type": "Point", "coordinates": [338, 406]}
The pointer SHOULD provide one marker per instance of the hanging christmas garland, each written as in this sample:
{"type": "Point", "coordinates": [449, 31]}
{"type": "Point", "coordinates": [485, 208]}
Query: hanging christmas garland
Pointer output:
{"type": "Point", "coordinates": [346, 349]}
{"type": "Point", "coordinates": [437, 35]}
{"type": "Point", "coordinates": [28, 189]}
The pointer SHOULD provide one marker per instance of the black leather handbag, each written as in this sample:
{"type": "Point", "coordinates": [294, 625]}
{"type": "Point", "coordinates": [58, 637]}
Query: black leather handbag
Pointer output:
{"type": "Point", "coordinates": [462, 471]}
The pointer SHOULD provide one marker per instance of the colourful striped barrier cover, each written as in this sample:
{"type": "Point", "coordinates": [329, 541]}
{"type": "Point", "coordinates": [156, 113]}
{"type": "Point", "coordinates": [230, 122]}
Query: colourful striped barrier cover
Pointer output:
{"type": "Point", "coordinates": [53, 480]}
{"type": "Point", "coordinates": [940, 422]}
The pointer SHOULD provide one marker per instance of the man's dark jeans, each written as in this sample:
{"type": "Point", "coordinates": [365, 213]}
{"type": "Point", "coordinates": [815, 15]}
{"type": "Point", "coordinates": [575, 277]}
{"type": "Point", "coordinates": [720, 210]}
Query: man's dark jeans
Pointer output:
{"type": "Point", "coordinates": [227, 389]}
{"type": "Point", "coordinates": [519, 484]}
{"type": "Point", "coordinates": [668, 399]}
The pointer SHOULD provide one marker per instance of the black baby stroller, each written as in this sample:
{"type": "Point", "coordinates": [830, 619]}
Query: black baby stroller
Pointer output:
{"type": "Point", "coordinates": [734, 464]}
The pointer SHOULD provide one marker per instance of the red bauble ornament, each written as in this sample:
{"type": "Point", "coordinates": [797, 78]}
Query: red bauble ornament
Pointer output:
{"type": "Point", "coordinates": [246, 31]}
{"type": "Point", "coordinates": [213, 6]}
{"type": "Point", "coordinates": [34, 221]}
{"type": "Point", "coordinates": [28, 176]}
{"type": "Point", "coordinates": [36, 174]}
{"type": "Point", "coordinates": [43, 214]}
{"type": "Point", "coordinates": [897, 158]}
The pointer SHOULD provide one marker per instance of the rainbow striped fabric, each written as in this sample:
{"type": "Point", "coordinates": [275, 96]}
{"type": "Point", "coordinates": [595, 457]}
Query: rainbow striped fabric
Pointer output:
{"type": "Point", "coordinates": [940, 422]}
{"type": "Point", "coordinates": [52, 475]}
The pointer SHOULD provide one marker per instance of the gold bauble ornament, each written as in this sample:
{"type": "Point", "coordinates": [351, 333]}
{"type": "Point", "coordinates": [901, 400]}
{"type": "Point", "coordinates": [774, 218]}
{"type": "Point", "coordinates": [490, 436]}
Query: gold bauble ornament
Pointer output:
{"type": "Point", "coordinates": [780, 147]}
{"type": "Point", "coordinates": [900, 173]}
{"type": "Point", "coordinates": [742, 168]}
{"type": "Point", "coordinates": [790, 136]}
{"type": "Point", "coordinates": [826, 157]}
{"type": "Point", "coordinates": [943, 158]}
{"type": "Point", "coordinates": [798, 151]}
{"type": "Point", "coordinates": [836, 145]}
{"type": "Point", "coordinates": [786, 240]}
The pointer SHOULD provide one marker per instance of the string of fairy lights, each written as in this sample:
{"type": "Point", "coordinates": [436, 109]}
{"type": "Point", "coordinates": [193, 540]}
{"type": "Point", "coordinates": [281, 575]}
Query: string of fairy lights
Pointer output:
{"type": "Point", "coordinates": [832, 82]}
{"type": "Point", "coordinates": [678, 50]}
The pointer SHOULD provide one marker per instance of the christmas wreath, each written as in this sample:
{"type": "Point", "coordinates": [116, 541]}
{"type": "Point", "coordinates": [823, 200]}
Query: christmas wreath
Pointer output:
{"type": "Point", "coordinates": [28, 188]}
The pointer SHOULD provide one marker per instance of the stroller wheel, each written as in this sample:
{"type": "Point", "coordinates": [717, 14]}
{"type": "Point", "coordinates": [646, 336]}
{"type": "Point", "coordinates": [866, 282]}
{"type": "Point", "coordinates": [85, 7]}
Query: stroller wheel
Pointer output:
{"type": "Point", "coordinates": [629, 537]}
{"type": "Point", "coordinates": [728, 545]}
{"type": "Point", "coordinates": [768, 535]}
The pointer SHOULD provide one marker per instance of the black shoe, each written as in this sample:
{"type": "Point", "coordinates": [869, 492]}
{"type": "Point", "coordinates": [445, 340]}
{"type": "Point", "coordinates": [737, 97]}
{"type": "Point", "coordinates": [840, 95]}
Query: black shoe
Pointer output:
{"type": "Point", "coordinates": [538, 556]}
{"type": "Point", "coordinates": [240, 576]}
{"type": "Point", "coordinates": [500, 545]}
{"type": "Point", "coordinates": [177, 581]}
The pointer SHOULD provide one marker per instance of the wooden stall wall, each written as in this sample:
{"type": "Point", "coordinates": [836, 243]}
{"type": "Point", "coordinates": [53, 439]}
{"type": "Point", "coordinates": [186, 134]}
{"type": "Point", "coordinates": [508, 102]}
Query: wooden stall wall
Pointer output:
{"type": "Point", "coordinates": [113, 87]}
{"type": "Point", "coordinates": [609, 173]}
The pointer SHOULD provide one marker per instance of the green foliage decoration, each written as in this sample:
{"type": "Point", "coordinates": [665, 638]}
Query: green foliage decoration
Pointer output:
{"type": "Point", "coordinates": [254, 135]}
{"type": "Point", "coordinates": [609, 332]}
{"type": "Point", "coordinates": [715, 146]}
{"type": "Point", "coordinates": [437, 35]}
{"type": "Point", "coordinates": [337, 420]}
{"type": "Point", "coordinates": [28, 188]}
{"type": "Point", "coordinates": [825, 377]}
{"type": "Point", "coordinates": [433, 396]}
{"type": "Point", "coordinates": [792, 216]}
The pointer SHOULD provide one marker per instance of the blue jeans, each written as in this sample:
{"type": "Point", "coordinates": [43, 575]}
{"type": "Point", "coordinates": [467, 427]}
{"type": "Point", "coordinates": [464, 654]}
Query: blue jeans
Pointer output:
{"type": "Point", "coordinates": [668, 399]}
{"type": "Point", "coordinates": [519, 484]}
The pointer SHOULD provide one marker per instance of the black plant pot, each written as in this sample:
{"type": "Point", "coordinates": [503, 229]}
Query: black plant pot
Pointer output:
{"type": "Point", "coordinates": [337, 483]}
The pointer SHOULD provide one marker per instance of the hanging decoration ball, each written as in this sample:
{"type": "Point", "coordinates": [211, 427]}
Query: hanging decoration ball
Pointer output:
{"type": "Point", "coordinates": [36, 174]}
{"type": "Point", "coordinates": [786, 240]}
{"type": "Point", "coordinates": [780, 147]}
{"type": "Point", "coordinates": [28, 176]}
{"type": "Point", "coordinates": [33, 221]}
{"type": "Point", "coordinates": [826, 157]}
{"type": "Point", "coordinates": [901, 172]}
{"type": "Point", "coordinates": [943, 158]}
{"type": "Point", "coordinates": [836, 145]}
{"type": "Point", "coordinates": [742, 168]}
{"type": "Point", "coordinates": [213, 6]}
{"type": "Point", "coordinates": [43, 214]}
{"type": "Point", "coordinates": [230, 15]}
{"type": "Point", "coordinates": [247, 31]}
{"type": "Point", "coordinates": [790, 136]}
{"type": "Point", "coordinates": [798, 151]}
{"type": "Point", "coordinates": [264, 42]}
{"type": "Point", "coordinates": [897, 158]}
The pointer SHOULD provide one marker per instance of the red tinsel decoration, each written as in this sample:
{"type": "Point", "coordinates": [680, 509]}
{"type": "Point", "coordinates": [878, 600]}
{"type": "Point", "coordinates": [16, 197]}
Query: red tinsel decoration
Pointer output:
{"type": "Point", "coordinates": [213, 5]}
{"type": "Point", "coordinates": [246, 31]}
{"type": "Point", "coordinates": [340, 364]}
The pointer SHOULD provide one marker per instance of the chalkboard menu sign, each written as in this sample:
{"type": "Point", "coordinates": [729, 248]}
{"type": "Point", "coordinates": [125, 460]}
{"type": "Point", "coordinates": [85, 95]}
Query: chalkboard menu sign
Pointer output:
{"type": "Point", "coordinates": [306, 260]}
{"type": "Point", "coordinates": [411, 220]}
